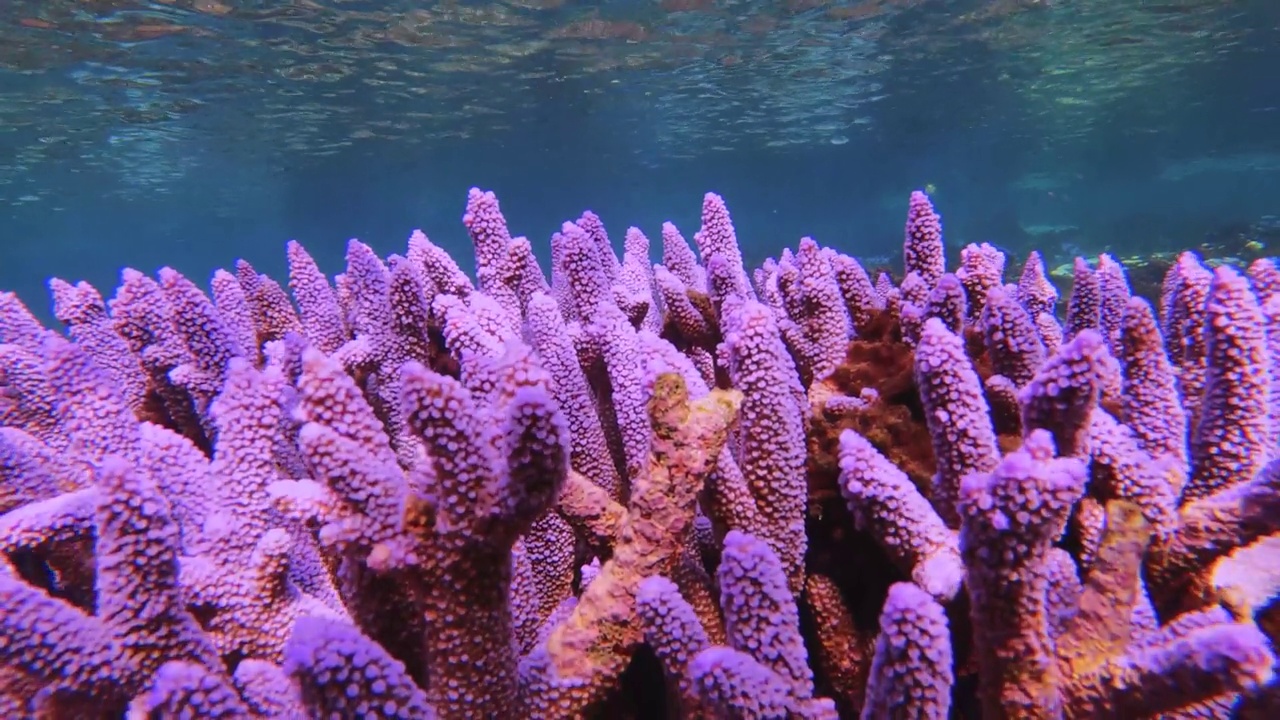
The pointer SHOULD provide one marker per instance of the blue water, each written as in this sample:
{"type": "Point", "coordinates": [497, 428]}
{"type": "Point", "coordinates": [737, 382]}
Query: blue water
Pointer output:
{"type": "Point", "coordinates": [194, 132]}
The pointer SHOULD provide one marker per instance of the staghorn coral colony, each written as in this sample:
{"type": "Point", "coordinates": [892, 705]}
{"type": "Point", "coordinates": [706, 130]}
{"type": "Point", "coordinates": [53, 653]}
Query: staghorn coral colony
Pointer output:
{"type": "Point", "coordinates": [642, 491]}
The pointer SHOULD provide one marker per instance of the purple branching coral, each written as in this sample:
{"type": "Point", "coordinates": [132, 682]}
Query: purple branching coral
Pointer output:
{"type": "Point", "coordinates": [398, 492]}
{"type": "Point", "coordinates": [923, 251]}
{"type": "Point", "coordinates": [911, 675]}
{"type": "Point", "coordinates": [955, 412]}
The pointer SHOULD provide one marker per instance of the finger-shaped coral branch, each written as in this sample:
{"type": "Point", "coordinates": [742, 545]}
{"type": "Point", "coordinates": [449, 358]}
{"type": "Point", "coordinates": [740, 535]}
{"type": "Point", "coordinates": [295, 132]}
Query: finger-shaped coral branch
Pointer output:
{"type": "Point", "coordinates": [1150, 402]}
{"type": "Point", "coordinates": [1183, 306]}
{"type": "Point", "coordinates": [672, 629]}
{"type": "Point", "coordinates": [922, 249]}
{"type": "Point", "coordinates": [1011, 518]}
{"type": "Point", "coordinates": [1084, 305]}
{"type": "Point", "coordinates": [491, 471]}
{"type": "Point", "coordinates": [1100, 628]}
{"type": "Point", "coordinates": [772, 442]}
{"type": "Point", "coordinates": [345, 674]}
{"type": "Point", "coordinates": [137, 575]}
{"type": "Point", "coordinates": [587, 652]}
{"type": "Point", "coordinates": [1230, 439]}
{"type": "Point", "coordinates": [956, 414]}
{"type": "Point", "coordinates": [761, 616]}
{"type": "Point", "coordinates": [1196, 659]}
{"type": "Point", "coordinates": [184, 689]}
{"type": "Point", "coordinates": [49, 643]}
{"type": "Point", "coordinates": [911, 674]}
{"type": "Point", "coordinates": [885, 503]}
{"type": "Point", "coordinates": [247, 414]}
{"type": "Point", "coordinates": [1064, 392]}
{"type": "Point", "coordinates": [1209, 528]}
{"type": "Point", "coordinates": [1123, 471]}
{"type": "Point", "coordinates": [267, 690]}
{"type": "Point", "coordinates": [1011, 338]}
{"type": "Point", "coordinates": [737, 687]}
{"type": "Point", "coordinates": [550, 338]}
{"type": "Point", "coordinates": [68, 516]}
{"type": "Point", "coordinates": [590, 510]}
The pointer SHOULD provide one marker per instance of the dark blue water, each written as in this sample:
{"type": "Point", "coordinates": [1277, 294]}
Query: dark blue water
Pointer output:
{"type": "Point", "coordinates": [195, 132]}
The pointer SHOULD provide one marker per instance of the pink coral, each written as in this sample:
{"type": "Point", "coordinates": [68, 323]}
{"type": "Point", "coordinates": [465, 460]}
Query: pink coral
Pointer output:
{"type": "Point", "coordinates": [401, 493]}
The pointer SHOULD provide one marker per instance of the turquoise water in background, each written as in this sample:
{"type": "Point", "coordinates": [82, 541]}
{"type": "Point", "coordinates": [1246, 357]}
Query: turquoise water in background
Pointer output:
{"type": "Point", "coordinates": [190, 133]}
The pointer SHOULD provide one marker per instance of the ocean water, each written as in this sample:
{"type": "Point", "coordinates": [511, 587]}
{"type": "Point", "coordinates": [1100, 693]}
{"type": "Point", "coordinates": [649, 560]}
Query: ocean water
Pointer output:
{"type": "Point", "coordinates": [190, 133]}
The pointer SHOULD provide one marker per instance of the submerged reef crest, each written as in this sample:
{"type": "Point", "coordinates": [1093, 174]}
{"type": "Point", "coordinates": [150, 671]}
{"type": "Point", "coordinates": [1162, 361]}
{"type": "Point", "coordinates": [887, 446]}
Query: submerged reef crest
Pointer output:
{"type": "Point", "coordinates": [689, 489]}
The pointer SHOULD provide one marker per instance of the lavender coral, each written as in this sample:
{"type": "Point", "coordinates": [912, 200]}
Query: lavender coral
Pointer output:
{"type": "Point", "coordinates": [1011, 518]}
{"type": "Point", "coordinates": [911, 675]}
{"type": "Point", "coordinates": [397, 492]}
{"type": "Point", "coordinates": [922, 250]}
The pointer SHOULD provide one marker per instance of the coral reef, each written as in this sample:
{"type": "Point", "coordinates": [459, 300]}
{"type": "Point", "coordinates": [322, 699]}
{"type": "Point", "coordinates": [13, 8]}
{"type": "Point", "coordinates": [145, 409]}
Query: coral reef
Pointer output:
{"type": "Point", "coordinates": [636, 490]}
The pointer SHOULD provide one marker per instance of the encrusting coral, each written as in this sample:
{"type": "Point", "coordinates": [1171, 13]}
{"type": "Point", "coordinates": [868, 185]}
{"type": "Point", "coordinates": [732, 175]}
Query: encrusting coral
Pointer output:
{"type": "Point", "coordinates": [630, 490]}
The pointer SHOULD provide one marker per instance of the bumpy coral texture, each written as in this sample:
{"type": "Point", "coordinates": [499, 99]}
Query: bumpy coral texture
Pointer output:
{"type": "Point", "coordinates": [689, 489]}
